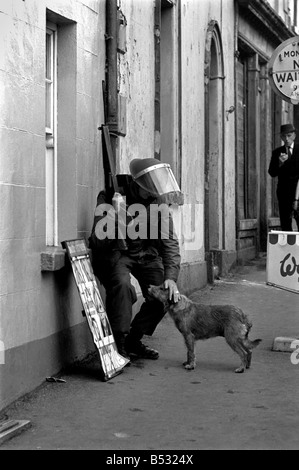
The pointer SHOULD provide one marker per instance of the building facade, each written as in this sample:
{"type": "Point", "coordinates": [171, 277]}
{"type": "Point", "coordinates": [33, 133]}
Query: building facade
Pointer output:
{"type": "Point", "coordinates": [261, 27]}
{"type": "Point", "coordinates": [52, 63]}
{"type": "Point", "coordinates": [182, 80]}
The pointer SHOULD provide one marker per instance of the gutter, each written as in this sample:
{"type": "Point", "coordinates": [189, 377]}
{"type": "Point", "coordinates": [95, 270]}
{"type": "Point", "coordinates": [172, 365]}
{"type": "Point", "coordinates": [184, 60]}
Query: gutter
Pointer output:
{"type": "Point", "coordinates": [111, 70]}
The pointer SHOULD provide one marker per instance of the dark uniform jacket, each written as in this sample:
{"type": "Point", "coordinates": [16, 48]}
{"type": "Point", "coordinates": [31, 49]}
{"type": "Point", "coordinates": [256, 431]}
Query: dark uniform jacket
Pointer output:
{"type": "Point", "coordinates": [288, 172]}
{"type": "Point", "coordinates": [106, 252]}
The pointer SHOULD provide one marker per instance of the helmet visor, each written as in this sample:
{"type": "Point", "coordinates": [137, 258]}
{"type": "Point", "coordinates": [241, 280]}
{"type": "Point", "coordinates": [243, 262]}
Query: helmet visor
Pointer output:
{"type": "Point", "coordinates": [157, 180]}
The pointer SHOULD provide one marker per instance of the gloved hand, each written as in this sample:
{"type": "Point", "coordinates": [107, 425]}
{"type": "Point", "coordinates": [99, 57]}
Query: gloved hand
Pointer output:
{"type": "Point", "coordinates": [174, 293]}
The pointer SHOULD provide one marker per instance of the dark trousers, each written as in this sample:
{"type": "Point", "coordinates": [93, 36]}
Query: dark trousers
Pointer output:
{"type": "Point", "coordinates": [285, 204]}
{"type": "Point", "coordinates": [121, 295]}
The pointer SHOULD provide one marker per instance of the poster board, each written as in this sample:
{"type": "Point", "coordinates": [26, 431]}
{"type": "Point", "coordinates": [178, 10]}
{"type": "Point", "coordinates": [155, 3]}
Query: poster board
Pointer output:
{"type": "Point", "coordinates": [283, 260]}
{"type": "Point", "coordinates": [112, 363]}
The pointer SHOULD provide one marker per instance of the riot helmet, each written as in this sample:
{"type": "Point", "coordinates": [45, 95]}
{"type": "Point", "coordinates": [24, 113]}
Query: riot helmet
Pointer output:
{"type": "Point", "coordinates": [153, 176]}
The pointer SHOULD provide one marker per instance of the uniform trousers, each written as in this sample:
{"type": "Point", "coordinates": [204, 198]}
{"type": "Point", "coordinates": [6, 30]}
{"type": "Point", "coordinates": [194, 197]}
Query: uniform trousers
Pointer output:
{"type": "Point", "coordinates": [121, 295]}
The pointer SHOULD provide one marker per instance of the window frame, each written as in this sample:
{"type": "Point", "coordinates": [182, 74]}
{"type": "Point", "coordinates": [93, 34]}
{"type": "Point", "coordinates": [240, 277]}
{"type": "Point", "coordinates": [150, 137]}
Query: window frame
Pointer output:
{"type": "Point", "coordinates": [51, 136]}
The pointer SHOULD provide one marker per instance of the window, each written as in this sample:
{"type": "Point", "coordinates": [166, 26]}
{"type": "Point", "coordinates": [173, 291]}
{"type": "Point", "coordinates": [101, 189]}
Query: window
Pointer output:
{"type": "Point", "coordinates": [50, 124]}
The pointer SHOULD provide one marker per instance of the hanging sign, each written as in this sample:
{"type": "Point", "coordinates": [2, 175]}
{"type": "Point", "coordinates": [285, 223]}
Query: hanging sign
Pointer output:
{"type": "Point", "coordinates": [284, 70]}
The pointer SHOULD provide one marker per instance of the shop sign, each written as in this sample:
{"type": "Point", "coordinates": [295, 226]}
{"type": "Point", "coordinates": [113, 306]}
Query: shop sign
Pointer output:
{"type": "Point", "coordinates": [283, 260]}
{"type": "Point", "coordinates": [284, 70]}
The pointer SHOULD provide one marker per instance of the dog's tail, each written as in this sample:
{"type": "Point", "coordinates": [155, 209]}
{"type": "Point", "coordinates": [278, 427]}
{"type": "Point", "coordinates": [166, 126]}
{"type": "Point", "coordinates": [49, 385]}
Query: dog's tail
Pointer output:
{"type": "Point", "coordinates": [252, 344]}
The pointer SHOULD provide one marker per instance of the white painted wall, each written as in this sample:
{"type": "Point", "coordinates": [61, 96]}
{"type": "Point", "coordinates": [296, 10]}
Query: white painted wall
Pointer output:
{"type": "Point", "coordinates": [196, 15]}
{"type": "Point", "coordinates": [137, 81]}
{"type": "Point", "coordinates": [36, 305]}
{"type": "Point", "coordinates": [22, 169]}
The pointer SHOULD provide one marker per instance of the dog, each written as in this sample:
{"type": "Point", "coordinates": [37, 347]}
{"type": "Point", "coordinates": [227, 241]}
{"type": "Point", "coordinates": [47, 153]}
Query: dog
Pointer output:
{"type": "Point", "coordinates": [198, 321]}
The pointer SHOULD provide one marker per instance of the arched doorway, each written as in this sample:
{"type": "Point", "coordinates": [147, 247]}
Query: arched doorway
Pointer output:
{"type": "Point", "coordinates": [214, 142]}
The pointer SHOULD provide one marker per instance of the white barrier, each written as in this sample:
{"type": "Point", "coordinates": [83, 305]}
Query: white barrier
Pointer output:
{"type": "Point", "coordinates": [283, 260]}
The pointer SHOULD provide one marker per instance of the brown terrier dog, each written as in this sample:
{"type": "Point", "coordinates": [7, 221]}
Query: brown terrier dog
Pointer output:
{"type": "Point", "coordinates": [198, 321]}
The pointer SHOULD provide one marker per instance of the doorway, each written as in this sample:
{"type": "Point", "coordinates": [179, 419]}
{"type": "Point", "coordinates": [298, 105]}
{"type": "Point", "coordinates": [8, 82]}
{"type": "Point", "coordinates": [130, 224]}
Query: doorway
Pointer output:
{"type": "Point", "coordinates": [214, 141]}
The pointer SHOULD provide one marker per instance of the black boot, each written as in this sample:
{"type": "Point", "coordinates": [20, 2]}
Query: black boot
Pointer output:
{"type": "Point", "coordinates": [135, 347]}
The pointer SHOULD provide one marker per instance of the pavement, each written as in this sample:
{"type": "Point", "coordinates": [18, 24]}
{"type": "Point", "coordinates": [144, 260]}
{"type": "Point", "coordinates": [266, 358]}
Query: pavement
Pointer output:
{"type": "Point", "coordinates": [159, 406]}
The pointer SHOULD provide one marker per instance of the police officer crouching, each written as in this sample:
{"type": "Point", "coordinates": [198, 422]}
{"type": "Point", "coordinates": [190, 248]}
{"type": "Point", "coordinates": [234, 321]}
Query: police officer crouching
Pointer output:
{"type": "Point", "coordinates": [124, 243]}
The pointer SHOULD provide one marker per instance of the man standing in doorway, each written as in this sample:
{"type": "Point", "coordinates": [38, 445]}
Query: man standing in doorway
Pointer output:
{"type": "Point", "coordinates": [285, 165]}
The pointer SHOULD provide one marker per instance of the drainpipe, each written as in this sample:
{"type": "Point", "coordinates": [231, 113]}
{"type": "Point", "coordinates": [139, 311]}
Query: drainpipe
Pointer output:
{"type": "Point", "coordinates": [111, 73]}
{"type": "Point", "coordinates": [237, 217]}
{"type": "Point", "coordinates": [157, 36]}
{"type": "Point", "coordinates": [180, 95]}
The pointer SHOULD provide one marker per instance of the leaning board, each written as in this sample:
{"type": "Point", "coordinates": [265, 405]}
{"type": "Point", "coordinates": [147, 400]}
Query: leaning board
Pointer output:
{"type": "Point", "coordinates": [112, 362]}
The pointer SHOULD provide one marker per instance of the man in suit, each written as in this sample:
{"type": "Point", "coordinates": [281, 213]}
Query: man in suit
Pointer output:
{"type": "Point", "coordinates": [285, 165]}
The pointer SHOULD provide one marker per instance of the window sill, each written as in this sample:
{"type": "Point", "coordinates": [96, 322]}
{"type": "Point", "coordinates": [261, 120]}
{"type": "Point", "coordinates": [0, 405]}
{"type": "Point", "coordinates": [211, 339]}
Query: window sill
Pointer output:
{"type": "Point", "coordinates": [53, 259]}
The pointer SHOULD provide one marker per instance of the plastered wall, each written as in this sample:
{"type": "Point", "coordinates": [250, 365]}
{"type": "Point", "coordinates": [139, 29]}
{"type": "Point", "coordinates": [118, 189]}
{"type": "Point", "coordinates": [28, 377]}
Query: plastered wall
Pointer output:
{"type": "Point", "coordinates": [35, 306]}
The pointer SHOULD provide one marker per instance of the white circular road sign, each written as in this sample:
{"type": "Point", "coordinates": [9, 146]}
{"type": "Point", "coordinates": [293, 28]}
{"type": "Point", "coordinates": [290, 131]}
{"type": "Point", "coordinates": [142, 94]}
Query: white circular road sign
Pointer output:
{"type": "Point", "coordinates": [284, 70]}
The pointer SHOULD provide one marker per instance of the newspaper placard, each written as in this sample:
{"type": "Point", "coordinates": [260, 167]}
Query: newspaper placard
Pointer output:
{"type": "Point", "coordinates": [112, 362]}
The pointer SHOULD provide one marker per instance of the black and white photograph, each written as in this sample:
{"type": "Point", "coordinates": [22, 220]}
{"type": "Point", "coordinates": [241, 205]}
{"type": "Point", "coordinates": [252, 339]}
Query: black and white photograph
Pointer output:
{"type": "Point", "coordinates": [149, 229]}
